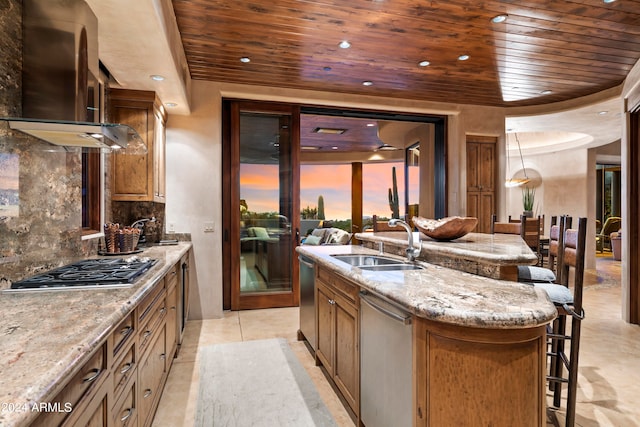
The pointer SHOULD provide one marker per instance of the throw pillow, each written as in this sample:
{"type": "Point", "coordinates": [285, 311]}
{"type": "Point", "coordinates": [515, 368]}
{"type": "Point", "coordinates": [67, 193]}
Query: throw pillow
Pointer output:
{"type": "Point", "coordinates": [311, 240]}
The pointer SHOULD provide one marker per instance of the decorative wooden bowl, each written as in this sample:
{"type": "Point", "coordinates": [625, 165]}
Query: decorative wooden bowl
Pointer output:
{"type": "Point", "coordinates": [448, 228]}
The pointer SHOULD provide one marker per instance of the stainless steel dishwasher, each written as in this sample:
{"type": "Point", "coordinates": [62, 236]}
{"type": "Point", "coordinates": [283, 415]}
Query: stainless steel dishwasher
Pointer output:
{"type": "Point", "coordinates": [386, 396]}
{"type": "Point", "coordinates": [307, 300]}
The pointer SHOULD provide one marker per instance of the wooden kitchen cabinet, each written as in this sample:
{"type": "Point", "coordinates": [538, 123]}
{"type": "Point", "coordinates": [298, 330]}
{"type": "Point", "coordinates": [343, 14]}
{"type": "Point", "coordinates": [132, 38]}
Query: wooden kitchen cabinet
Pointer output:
{"type": "Point", "coordinates": [139, 177]}
{"type": "Point", "coordinates": [457, 367]}
{"type": "Point", "coordinates": [82, 398]}
{"type": "Point", "coordinates": [121, 383]}
{"type": "Point", "coordinates": [338, 334]}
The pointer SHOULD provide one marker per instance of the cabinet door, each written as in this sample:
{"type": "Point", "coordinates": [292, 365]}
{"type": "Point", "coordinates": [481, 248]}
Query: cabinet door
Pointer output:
{"type": "Point", "coordinates": [136, 176]}
{"type": "Point", "coordinates": [325, 325]}
{"type": "Point", "coordinates": [96, 413]}
{"type": "Point", "coordinates": [347, 359]}
{"type": "Point", "coordinates": [172, 323]}
{"type": "Point", "coordinates": [150, 377]}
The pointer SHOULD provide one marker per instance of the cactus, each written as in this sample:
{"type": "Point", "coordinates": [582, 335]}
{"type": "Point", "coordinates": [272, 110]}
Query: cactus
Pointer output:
{"type": "Point", "coordinates": [394, 202]}
{"type": "Point", "coordinates": [321, 208]}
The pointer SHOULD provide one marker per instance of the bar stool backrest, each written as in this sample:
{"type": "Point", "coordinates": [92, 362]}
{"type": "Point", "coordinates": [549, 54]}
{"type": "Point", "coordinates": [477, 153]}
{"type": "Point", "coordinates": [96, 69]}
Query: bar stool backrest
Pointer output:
{"type": "Point", "coordinates": [573, 256]}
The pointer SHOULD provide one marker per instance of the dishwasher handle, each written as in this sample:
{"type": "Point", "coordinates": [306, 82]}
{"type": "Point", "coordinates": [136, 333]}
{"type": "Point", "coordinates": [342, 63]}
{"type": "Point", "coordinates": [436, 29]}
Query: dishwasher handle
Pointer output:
{"type": "Point", "coordinates": [307, 263]}
{"type": "Point", "coordinates": [371, 302]}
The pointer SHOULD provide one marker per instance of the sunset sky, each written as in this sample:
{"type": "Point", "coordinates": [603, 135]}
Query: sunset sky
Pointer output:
{"type": "Point", "coordinates": [259, 187]}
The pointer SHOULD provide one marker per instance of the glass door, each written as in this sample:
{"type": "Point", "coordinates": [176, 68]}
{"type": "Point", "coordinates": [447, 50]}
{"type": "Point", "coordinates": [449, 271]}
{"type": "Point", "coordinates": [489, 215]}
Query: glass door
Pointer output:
{"type": "Point", "coordinates": [265, 193]}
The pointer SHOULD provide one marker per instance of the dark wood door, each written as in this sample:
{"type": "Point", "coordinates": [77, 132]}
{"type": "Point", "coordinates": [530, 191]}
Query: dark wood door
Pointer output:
{"type": "Point", "coordinates": [261, 205]}
{"type": "Point", "coordinates": [481, 180]}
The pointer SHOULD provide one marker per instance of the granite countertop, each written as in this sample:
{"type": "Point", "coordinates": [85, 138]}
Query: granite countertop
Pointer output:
{"type": "Point", "coordinates": [445, 295]}
{"type": "Point", "coordinates": [46, 336]}
{"type": "Point", "coordinates": [496, 249]}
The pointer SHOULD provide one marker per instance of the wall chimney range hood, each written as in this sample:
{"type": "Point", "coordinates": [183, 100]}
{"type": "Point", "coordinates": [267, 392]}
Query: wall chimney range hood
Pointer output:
{"type": "Point", "coordinates": [61, 95]}
{"type": "Point", "coordinates": [78, 134]}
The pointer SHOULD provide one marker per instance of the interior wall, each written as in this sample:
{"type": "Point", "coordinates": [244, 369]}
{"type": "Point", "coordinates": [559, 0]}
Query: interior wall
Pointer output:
{"type": "Point", "coordinates": [567, 187]}
{"type": "Point", "coordinates": [194, 172]}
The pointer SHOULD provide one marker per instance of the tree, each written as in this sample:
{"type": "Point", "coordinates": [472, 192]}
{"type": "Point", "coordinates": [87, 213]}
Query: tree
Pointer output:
{"type": "Point", "coordinates": [321, 207]}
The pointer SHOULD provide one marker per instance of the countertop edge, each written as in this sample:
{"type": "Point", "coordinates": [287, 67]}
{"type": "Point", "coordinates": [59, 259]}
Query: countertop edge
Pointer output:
{"type": "Point", "coordinates": [430, 309]}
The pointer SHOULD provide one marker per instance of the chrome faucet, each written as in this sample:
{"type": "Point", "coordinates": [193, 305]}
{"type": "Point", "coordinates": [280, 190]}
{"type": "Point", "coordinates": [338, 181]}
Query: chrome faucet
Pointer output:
{"type": "Point", "coordinates": [412, 252]}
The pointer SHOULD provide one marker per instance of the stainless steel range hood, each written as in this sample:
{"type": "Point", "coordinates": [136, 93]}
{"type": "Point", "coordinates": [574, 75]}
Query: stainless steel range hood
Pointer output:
{"type": "Point", "coordinates": [61, 95]}
{"type": "Point", "coordinates": [78, 134]}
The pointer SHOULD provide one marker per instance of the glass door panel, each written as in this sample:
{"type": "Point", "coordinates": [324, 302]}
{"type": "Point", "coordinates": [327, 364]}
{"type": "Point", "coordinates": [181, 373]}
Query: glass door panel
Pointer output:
{"type": "Point", "coordinates": [264, 229]}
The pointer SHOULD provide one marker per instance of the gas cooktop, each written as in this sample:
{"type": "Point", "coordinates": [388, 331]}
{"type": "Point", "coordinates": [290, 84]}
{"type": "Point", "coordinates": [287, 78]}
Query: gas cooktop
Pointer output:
{"type": "Point", "coordinates": [89, 274]}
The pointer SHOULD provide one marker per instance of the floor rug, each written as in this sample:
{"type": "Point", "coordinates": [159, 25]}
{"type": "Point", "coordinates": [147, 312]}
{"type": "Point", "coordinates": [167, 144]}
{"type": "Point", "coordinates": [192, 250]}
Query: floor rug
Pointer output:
{"type": "Point", "coordinates": [257, 383]}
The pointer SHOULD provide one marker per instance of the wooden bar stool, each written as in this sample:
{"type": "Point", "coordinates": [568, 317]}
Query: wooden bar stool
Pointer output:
{"type": "Point", "coordinates": [571, 255]}
{"type": "Point", "coordinates": [533, 274]}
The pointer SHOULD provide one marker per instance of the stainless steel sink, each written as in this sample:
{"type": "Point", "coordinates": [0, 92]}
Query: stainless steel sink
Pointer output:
{"type": "Point", "coordinates": [391, 267]}
{"type": "Point", "coordinates": [359, 260]}
{"type": "Point", "coordinates": [376, 262]}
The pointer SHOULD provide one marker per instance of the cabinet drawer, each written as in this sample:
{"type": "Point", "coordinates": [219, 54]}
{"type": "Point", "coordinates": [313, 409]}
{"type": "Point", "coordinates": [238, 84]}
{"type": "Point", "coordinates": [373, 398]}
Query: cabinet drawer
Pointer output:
{"type": "Point", "coordinates": [171, 278]}
{"type": "Point", "coordinates": [147, 332]}
{"type": "Point", "coordinates": [339, 284]}
{"type": "Point", "coordinates": [121, 334]}
{"type": "Point", "coordinates": [144, 308]}
{"type": "Point", "coordinates": [124, 411]}
{"type": "Point", "coordinates": [80, 388]}
{"type": "Point", "coordinates": [123, 370]}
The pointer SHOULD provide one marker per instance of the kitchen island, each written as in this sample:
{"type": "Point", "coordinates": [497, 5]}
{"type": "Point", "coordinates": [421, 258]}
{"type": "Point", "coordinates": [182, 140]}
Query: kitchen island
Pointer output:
{"type": "Point", "coordinates": [489, 255]}
{"type": "Point", "coordinates": [479, 344]}
{"type": "Point", "coordinates": [48, 336]}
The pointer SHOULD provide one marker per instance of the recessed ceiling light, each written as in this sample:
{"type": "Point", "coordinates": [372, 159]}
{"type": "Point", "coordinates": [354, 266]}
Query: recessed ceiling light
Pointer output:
{"type": "Point", "coordinates": [370, 125]}
{"type": "Point", "coordinates": [608, 1]}
{"type": "Point", "coordinates": [245, 59]}
{"type": "Point", "coordinates": [344, 44]}
{"type": "Point", "coordinates": [602, 113]}
{"type": "Point", "coordinates": [156, 77]}
{"type": "Point", "coordinates": [367, 83]}
{"type": "Point", "coordinates": [545, 92]}
{"type": "Point", "coordinates": [424, 63]}
{"type": "Point", "coordinates": [171, 104]}
{"type": "Point", "coordinates": [498, 19]}
{"type": "Point", "coordinates": [387, 147]}
{"type": "Point", "coordinates": [330, 131]}
{"type": "Point", "coordinates": [463, 57]}
{"type": "Point", "coordinates": [309, 148]}
{"type": "Point", "coordinates": [334, 147]}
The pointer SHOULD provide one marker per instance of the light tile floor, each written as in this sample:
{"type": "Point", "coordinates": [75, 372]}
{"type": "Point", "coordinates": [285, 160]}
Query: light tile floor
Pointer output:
{"type": "Point", "coordinates": [609, 378]}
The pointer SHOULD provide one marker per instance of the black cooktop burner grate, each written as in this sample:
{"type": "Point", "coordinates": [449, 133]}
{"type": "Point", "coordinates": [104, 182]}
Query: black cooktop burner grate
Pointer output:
{"type": "Point", "coordinates": [109, 272]}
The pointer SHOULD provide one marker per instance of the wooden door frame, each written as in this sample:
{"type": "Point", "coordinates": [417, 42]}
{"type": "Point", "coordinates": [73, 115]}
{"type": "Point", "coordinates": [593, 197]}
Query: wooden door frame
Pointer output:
{"type": "Point", "coordinates": [631, 230]}
{"type": "Point", "coordinates": [231, 206]}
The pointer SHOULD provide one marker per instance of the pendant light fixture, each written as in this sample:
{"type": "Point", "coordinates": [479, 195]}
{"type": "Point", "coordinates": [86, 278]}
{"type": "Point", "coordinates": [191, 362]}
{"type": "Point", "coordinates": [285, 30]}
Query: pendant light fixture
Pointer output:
{"type": "Point", "coordinates": [515, 182]}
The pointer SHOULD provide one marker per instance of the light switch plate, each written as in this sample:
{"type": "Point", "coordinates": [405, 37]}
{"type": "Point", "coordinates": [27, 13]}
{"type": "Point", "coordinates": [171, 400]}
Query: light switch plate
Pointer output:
{"type": "Point", "coordinates": [209, 227]}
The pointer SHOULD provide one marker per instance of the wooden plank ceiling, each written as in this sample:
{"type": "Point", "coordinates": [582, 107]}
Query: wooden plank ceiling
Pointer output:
{"type": "Point", "coordinates": [570, 48]}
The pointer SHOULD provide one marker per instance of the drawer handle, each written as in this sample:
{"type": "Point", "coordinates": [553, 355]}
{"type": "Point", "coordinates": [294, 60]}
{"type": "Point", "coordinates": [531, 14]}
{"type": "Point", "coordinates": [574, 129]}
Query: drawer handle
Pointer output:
{"type": "Point", "coordinates": [126, 368]}
{"type": "Point", "coordinates": [163, 310]}
{"type": "Point", "coordinates": [92, 375]}
{"type": "Point", "coordinates": [163, 356]}
{"type": "Point", "coordinates": [147, 333]}
{"type": "Point", "coordinates": [126, 330]}
{"type": "Point", "coordinates": [173, 307]}
{"type": "Point", "coordinates": [332, 302]}
{"type": "Point", "coordinates": [127, 414]}
{"type": "Point", "coordinates": [147, 393]}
